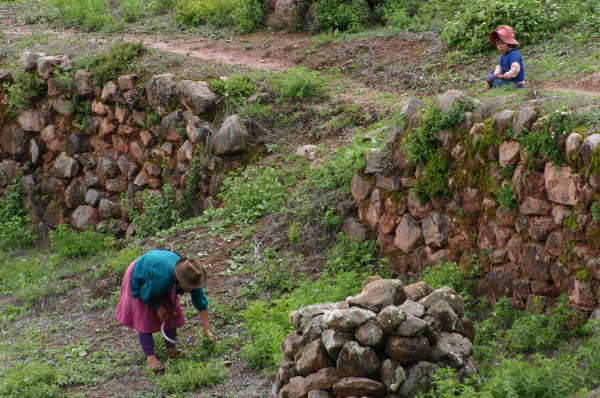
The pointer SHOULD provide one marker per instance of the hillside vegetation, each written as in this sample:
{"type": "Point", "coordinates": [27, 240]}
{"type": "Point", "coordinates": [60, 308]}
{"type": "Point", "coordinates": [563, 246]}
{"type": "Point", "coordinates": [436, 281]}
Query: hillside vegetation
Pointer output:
{"type": "Point", "coordinates": [275, 243]}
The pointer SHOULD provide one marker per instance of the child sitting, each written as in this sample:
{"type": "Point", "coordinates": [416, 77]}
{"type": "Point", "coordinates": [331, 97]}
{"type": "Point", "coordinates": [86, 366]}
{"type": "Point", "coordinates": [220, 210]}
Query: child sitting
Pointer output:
{"type": "Point", "coordinates": [510, 71]}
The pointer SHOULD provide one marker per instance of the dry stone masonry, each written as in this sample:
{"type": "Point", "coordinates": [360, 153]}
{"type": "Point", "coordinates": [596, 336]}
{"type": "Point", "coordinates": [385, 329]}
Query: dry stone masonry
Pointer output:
{"type": "Point", "coordinates": [386, 342]}
{"type": "Point", "coordinates": [545, 246]}
{"type": "Point", "coordinates": [75, 171]}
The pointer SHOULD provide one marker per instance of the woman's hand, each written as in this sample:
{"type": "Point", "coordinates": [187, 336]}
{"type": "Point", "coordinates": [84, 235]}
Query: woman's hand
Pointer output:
{"type": "Point", "coordinates": [162, 313]}
{"type": "Point", "coordinates": [208, 334]}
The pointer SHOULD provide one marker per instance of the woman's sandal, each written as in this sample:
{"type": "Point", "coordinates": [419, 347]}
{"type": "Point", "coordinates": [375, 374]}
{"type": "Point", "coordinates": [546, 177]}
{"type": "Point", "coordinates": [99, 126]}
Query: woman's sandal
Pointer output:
{"type": "Point", "coordinates": [173, 353]}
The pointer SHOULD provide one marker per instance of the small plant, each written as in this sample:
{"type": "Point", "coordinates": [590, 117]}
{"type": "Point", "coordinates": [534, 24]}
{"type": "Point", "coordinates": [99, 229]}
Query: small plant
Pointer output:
{"type": "Point", "coordinates": [234, 90]}
{"type": "Point", "coordinates": [23, 91]}
{"type": "Point", "coordinates": [15, 227]}
{"type": "Point", "coordinates": [70, 244]}
{"type": "Point", "coordinates": [506, 196]}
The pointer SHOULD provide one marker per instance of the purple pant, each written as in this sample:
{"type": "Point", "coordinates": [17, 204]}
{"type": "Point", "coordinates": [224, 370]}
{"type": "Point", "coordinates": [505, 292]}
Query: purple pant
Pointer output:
{"type": "Point", "coordinates": [147, 341]}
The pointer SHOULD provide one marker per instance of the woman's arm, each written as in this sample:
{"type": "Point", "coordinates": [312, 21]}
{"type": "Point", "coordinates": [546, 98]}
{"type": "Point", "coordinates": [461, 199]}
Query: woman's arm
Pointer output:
{"type": "Point", "coordinates": [206, 325]}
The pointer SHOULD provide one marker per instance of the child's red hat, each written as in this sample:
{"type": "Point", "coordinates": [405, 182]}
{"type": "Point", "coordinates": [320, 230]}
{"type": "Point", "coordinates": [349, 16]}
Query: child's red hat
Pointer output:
{"type": "Point", "coordinates": [505, 33]}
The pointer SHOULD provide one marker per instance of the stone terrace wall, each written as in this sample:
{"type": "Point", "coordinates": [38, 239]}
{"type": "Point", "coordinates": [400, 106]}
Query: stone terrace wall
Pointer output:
{"type": "Point", "coordinates": [386, 342]}
{"type": "Point", "coordinates": [74, 171]}
{"type": "Point", "coordinates": [548, 244]}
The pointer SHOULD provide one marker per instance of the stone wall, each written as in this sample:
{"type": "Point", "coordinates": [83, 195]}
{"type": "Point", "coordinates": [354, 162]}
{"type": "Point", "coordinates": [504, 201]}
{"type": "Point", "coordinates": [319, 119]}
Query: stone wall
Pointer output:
{"type": "Point", "coordinates": [75, 168]}
{"type": "Point", "coordinates": [387, 341]}
{"type": "Point", "coordinates": [546, 245]}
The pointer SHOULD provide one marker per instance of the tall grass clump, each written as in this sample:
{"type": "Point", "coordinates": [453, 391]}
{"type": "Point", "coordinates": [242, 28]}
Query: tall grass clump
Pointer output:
{"type": "Point", "coordinates": [88, 15]}
{"type": "Point", "coordinates": [249, 15]}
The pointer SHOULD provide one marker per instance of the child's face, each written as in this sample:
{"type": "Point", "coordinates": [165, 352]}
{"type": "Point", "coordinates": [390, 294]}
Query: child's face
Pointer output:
{"type": "Point", "coordinates": [502, 46]}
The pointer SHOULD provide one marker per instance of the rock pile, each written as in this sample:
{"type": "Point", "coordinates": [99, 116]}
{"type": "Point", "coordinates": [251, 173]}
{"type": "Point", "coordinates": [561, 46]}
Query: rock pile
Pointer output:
{"type": "Point", "coordinates": [387, 341]}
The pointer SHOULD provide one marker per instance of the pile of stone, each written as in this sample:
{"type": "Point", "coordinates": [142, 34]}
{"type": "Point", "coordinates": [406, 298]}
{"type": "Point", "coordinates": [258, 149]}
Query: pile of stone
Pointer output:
{"type": "Point", "coordinates": [387, 341]}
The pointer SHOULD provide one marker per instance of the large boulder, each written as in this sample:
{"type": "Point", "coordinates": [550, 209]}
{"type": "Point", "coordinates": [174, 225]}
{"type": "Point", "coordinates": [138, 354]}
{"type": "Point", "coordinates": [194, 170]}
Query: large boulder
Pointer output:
{"type": "Point", "coordinates": [232, 137]}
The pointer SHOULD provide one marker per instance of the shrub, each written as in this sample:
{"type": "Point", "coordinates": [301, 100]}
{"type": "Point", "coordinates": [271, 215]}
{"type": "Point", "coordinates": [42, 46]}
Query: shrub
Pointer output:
{"type": "Point", "coordinates": [532, 20]}
{"type": "Point", "coordinates": [397, 13]}
{"type": "Point", "coordinates": [70, 244]}
{"type": "Point", "coordinates": [249, 14]}
{"type": "Point", "coordinates": [434, 180]}
{"type": "Point", "coordinates": [338, 15]}
{"type": "Point", "coordinates": [253, 192]}
{"type": "Point", "coordinates": [158, 211]}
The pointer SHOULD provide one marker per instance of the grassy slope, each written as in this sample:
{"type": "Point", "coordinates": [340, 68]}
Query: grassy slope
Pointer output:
{"type": "Point", "coordinates": [57, 313]}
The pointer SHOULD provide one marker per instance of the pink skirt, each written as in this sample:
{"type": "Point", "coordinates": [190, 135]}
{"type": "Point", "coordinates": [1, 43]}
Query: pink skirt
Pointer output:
{"type": "Point", "coordinates": [136, 314]}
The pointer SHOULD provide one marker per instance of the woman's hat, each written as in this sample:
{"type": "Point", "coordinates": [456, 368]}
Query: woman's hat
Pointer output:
{"type": "Point", "coordinates": [505, 33]}
{"type": "Point", "coordinates": [191, 273]}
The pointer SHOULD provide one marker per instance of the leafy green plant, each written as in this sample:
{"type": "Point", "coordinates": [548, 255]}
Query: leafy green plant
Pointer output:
{"type": "Point", "coordinates": [355, 255]}
{"type": "Point", "coordinates": [26, 380]}
{"type": "Point", "coordinates": [25, 88]}
{"type": "Point", "coordinates": [449, 275]}
{"type": "Point", "coordinates": [234, 90]}
{"type": "Point", "coordinates": [71, 244]}
{"type": "Point", "coordinates": [251, 193]}
{"type": "Point", "coordinates": [544, 142]}
{"type": "Point", "coordinates": [336, 15]}
{"type": "Point", "coordinates": [506, 196]}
